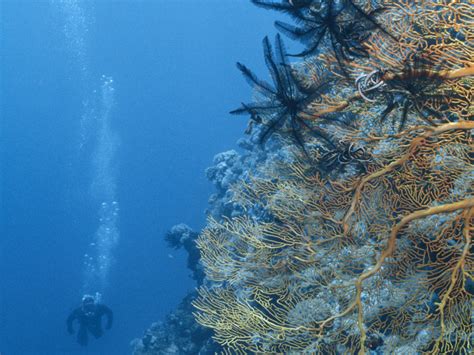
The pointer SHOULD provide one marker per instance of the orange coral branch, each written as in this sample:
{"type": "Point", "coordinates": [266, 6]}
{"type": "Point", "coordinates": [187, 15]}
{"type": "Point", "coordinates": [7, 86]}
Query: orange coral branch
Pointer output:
{"type": "Point", "coordinates": [391, 244]}
{"type": "Point", "coordinates": [454, 275]}
{"type": "Point", "coordinates": [431, 131]}
{"type": "Point", "coordinates": [331, 109]}
{"type": "Point", "coordinates": [459, 73]}
{"type": "Point", "coordinates": [445, 74]}
{"type": "Point", "coordinates": [465, 204]}
{"type": "Point", "coordinates": [388, 136]}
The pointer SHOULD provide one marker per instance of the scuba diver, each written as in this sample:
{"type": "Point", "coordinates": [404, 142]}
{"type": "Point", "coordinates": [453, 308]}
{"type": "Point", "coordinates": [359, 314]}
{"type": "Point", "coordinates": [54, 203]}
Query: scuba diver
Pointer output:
{"type": "Point", "coordinates": [89, 316]}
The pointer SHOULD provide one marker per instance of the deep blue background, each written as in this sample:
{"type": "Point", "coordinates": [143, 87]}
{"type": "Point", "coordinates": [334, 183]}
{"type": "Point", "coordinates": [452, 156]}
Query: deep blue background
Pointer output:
{"type": "Point", "coordinates": [173, 64]}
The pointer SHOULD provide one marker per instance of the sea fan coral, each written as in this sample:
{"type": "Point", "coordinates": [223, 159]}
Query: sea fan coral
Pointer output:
{"type": "Point", "coordinates": [378, 256]}
{"type": "Point", "coordinates": [333, 265]}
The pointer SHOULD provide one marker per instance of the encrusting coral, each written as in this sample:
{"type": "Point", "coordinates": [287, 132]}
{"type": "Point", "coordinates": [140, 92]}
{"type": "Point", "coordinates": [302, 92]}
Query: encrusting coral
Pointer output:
{"type": "Point", "coordinates": [378, 254]}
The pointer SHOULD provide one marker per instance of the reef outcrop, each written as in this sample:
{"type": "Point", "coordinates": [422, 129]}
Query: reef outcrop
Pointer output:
{"type": "Point", "coordinates": [179, 333]}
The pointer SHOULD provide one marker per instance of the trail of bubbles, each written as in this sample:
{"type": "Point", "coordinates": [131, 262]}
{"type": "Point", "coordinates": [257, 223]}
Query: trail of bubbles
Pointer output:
{"type": "Point", "coordinates": [75, 29]}
{"type": "Point", "coordinates": [104, 183]}
{"type": "Point", "coordinates": [96, 131]}
{"type": "Point", "coordinates": [103, 188]}
{"type": "Point", "coordinates": [76, 20]}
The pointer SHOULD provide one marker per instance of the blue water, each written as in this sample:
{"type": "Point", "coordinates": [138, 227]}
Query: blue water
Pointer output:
{"type": "Point", "coordinates": [110, 112]}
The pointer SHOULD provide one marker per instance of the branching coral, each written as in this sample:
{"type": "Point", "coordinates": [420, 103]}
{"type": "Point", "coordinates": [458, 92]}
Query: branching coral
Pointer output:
{"type": "Point", "coordinates": [380, 255]}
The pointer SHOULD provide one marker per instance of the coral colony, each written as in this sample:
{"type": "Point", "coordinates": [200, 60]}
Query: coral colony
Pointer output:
{"type": "Point", "coordinates": [349, 227]}
{"type": "Point", "coordinates": [346, 225]}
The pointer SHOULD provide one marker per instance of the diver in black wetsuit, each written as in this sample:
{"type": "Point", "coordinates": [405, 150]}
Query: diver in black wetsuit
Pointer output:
{"type": "Point", "coordinates": [89, 317]}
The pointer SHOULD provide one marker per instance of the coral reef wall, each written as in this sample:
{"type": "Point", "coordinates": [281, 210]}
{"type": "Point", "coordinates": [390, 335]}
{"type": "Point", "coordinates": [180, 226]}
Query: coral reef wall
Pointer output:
{"type": "Point", "coordinates": [346, 224]}
{"type": "Point", "coordinates": [355, 236]}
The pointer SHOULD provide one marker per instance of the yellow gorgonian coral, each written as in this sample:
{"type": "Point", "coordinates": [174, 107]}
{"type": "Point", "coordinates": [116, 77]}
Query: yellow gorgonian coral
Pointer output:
{"type": "Point", "coordinates": [378, 255]}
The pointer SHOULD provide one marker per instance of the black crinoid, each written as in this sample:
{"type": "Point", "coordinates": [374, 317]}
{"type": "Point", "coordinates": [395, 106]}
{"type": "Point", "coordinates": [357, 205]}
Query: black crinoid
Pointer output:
{"type": "Point", "coordinates": [342, 23]}
{"type": "Point", "coordinates": [344, 155]}
{"type": "Point", "coordinates": [417, 90]}
{"type": "Point", "coordinates": [283, 102]}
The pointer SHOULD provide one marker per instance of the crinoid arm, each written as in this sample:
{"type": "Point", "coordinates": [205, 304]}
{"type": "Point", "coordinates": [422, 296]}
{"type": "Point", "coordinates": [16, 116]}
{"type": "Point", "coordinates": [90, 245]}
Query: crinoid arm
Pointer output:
{"type": "Point", "coordinates": [370, 17]}
{"type": "Point", "coordinates": [294, 8]}
{"type": "Point", "coordinates": [254, 81]}
{"type": "Point", "coordinates": [302, 34]}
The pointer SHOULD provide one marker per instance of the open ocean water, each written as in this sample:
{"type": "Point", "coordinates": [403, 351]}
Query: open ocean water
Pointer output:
{"type": "Point", "coordinates": [110, 113]}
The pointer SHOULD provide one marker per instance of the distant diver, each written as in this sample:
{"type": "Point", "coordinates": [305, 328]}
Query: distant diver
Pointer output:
{"type": "Point", "coordinates": [89, 316]}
